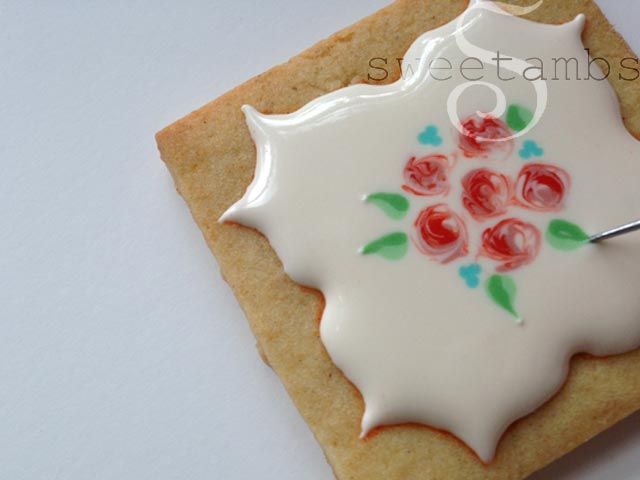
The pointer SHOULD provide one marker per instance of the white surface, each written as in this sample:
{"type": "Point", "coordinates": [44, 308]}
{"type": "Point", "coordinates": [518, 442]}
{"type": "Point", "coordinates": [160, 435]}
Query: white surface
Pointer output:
{"type": "Point", "coordinates": [122, 352]}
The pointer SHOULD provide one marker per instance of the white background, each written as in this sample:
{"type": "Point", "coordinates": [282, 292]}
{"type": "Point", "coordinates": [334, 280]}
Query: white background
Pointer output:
{"type": "Point", "coordinates": [123, 354]}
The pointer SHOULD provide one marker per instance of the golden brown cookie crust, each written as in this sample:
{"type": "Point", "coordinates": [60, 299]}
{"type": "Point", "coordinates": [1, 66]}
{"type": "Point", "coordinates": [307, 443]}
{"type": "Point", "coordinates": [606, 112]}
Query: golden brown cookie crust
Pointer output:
{"type": "Point", "coordinates": [212, 157]}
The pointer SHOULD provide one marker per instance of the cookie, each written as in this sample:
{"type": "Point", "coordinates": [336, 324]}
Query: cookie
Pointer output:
{"type": "Point", "coordinates": [212, 158]}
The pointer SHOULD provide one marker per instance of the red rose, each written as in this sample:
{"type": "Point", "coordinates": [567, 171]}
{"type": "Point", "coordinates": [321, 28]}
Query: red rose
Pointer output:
{"type": "Point", "coordinates": [427, 176]}
{"type": "Point", "coordinates": [542, 187]}
{"type": "Point", "coordinates": [481, 137]}
{"type": "Point", "coordinates": [485, 193]}
{"type": "Point", "coordinates": [513, 242]}
{"type": "Point", "coordinates": [442, 235]}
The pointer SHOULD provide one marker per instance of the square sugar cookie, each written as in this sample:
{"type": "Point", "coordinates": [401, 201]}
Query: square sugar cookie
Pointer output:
{"type": "Point", "coordinates": [212, 159]}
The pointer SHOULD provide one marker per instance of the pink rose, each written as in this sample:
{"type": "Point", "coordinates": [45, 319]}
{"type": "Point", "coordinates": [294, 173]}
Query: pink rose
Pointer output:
{"type": "Point", "coordinates": [441, 234]}
{"type": "Point", "coordinates": [482, 137]}
{"type": "Point", "coordinates": [512, 242]}
{"type": "Point", "coordinates": [427, 176]}
{"type": "Point", "coordinates": [542, 187]}
{"type": "Point", "coordinates": [485, 193]}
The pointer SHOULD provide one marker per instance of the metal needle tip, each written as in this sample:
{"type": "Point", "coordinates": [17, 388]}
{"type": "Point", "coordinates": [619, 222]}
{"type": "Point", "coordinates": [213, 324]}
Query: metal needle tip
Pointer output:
{"type": "Point", "coordinates": [615, 232]}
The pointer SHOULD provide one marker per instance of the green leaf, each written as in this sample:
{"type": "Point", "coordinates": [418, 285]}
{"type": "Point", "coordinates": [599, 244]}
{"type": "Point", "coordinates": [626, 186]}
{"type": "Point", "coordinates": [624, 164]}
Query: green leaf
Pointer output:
{"type": "Point", "coordinates": [394, 205]}
{"type": "Point", "coordinates": [502, 290]}
{"type": "Point", "coordinates": [565, 235]}
{"type": "Point", "coordinates": [392, 247]}
{"type": "Point", "coordinates": [518, 117]}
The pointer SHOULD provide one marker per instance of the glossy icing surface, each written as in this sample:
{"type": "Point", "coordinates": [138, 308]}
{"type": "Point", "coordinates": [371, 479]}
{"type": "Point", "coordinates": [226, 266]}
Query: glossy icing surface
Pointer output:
{"type": "Point", "coordinates": [450, 246]}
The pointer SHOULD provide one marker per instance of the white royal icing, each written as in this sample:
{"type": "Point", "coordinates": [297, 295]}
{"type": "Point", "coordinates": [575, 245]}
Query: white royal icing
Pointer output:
{"type": "Point", "coordinates": [422, 340]}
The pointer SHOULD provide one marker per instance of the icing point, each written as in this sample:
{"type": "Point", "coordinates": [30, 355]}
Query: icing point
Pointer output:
{"type": "Point", "coordinates": [579, 22]}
